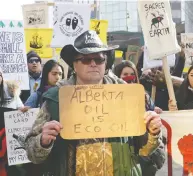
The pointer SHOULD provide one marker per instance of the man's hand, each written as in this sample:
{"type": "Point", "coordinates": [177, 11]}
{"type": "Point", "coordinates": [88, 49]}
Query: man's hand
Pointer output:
{"type": "Point", "coordinates": [153, 122]}
{"type": "Point", "coordinates": [49, 132]}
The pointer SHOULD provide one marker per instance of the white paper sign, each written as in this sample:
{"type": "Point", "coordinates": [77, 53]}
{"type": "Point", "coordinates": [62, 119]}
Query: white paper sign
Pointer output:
{"type": "Point", "coordinates": [177, 127]}
{"type": "Point", "coordinates": [13, 59]}
{"type": "Point", "coordinates": [149, 63]}
{"type": "Point", "coordinates": [187, 40]}
{"type": "Point", "coordinates": [158, 28]}
{"type": "Point", "coordinates": [16, 124]}
{"type": "Point", "coordinates": [35, 15]}
{"type": "Point", "coordinates": [70, 21]}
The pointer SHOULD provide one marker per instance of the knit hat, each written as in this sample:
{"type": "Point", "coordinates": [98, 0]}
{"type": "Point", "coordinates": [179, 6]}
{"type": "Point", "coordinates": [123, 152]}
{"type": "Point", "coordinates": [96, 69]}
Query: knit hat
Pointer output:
{"type": "Point", "coordinates": [31, 54]}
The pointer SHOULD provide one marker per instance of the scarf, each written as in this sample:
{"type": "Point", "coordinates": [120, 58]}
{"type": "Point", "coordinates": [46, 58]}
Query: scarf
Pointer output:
{"type": "Point", "coordinates": [35, 75]}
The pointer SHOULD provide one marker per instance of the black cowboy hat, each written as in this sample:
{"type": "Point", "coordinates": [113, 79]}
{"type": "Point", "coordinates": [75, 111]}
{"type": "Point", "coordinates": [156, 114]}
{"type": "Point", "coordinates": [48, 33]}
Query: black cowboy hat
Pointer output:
{"type": "Point", "coordinates": [87, 43]}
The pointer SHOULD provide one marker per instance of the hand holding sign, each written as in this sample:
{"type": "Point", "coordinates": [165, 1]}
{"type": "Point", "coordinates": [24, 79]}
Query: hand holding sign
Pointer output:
{"type": "Point", "coordinates": [49, 132]}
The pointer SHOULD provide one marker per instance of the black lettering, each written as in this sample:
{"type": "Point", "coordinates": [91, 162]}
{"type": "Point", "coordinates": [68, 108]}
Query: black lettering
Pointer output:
{"type": "Point", "coordinates": [103, 112]}
{"type": "Point", "coordinates": [76, 128]}
{"type": "Point", "coordinates": [87, 129]}
{"type": "Point", "coordinates": [80, 97]}
{"type": "Point", "coordinates": [151, 35]}
{"type": "Point", "coordinates": [146, 7]}
{"type": "Point", "coordinates": [114, 127]}
{"type": "Point", "coordinates": [162, 4]}
{"type": "Point", "coordinates": [74, 96]}
{"type": "Point", "coordinates": [96, 95]}
{"type": "Point", "coordinates": [97, 129]}
{"type": "Point", "coordinates": [89, 94]}
{"type": "Point", "coordinates": [104, 95]}
{"type": "Point", "coordinates": [100, 119]}
{"type": "Point", "coordinates": [87, 109]}
{"type": "Point", "coordinates": [119, 95]}
{"type": "Point", "coordinates": [167, 30]}
{"type": "Point", "coordinates": [111, 95]}
{"type": "Point", "coordinates": [159, 32]}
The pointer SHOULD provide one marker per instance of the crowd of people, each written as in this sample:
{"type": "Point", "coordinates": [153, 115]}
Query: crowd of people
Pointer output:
{"type": "Point", "coordinates": [90, 62]}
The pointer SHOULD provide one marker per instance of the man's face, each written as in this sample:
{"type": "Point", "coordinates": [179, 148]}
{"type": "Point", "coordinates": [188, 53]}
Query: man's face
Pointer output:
{"type": "Point", "coordinates": [90, 69]}
{"type": "Point", "coordinates": [34, 65]}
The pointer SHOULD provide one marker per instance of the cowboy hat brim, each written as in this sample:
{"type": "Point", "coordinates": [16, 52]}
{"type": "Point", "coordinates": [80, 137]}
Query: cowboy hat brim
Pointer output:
{"type": "Point", "coordinates": [68, 52]}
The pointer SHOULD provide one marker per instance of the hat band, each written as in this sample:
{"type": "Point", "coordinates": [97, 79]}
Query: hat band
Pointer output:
{"type": "Point", "coordinates": [91, 45]}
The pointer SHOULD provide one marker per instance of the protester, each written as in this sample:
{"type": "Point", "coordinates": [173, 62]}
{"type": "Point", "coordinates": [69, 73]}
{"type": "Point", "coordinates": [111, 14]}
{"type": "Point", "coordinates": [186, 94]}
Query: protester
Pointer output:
{"type": "Point", "coordinates": [9, 101]}
{"type": "Point", "coordinates": [43, 144]}
{"type": "Point", "coordinates": [34, 69]}
{"type": "Point", "coordinates": [51, 74]}
{"type": "Point", "coordinates": [128, 72]}
{"type": "Point", "coordinates": [156, 77]}
{"type": "Point", "coordinates": [184, 96]}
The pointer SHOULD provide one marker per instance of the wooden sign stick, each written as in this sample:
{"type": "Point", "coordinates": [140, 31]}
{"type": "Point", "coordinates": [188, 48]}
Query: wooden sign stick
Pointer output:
{"type": "Point", "coordinates": [169, 81]}
{"type": "Point", "coordinates": [153, 93]}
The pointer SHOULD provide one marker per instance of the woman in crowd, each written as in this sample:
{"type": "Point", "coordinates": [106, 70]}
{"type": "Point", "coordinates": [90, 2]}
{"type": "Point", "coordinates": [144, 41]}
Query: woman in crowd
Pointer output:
{"type": "Point", "coordinates": [184, 96]}
{"type": "Point", "coordinates": [128, 72]}
{"type": "Point", "coordinates": [52, 73]}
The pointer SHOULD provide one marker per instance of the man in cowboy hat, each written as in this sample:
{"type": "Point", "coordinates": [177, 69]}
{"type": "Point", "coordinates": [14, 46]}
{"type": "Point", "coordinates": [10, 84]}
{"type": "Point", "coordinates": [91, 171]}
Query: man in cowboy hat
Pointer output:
{"type": "Point", "coordinates": [89, 59]}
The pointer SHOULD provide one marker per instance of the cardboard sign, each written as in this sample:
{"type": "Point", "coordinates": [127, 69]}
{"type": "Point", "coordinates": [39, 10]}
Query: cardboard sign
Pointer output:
{"type": "Point", "coordinates": [101, 111]}
{"type": "Point", "coordinates": [149, 63]}
{"type": "Point", "coordinates": [187, 40]}
{"type": "Point", "coordinates": [35, 15]}
{"type": "Point", "coordinates": [158, 28]}
{"type": "Point", "coordinates": [70, 21]}
{"type": "Point", "coordinates": [177, 127]}
{"type": "Point", "coordinates": [13, 61]}
{"type": "Point", "coordinates": [18, 124]}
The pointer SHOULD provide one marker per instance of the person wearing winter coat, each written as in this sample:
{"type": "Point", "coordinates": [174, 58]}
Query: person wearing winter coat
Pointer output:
{"type": "Point", "coordinates": [88, 58]}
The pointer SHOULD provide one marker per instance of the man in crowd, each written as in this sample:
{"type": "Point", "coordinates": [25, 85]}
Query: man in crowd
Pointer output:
{"type": "Point", "coordinates": [105, 156]}
{"type": "Point", "coordinates": [35, 69]}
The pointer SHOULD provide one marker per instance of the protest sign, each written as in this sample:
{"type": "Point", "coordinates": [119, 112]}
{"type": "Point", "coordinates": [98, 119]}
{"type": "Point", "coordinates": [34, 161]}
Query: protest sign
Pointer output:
{"type": "Point", "coordinates": [70, 21]}
{"type": "Point", "coordinates": [100, 26]}
{"type": "Point", "coordinates": [39, 40]}
{"type": "Point", "coordinates": [177, 127]}
{"type": "Point", "coordinates": [13, 61]}
{"type": "Point", "coordinates": [18, 124]}
{"type": "Point", "coordinates": [187, 40]}
{"type": "Point", "coordinates": [97, 111]}
{"type": "Point", "coordinates": [35, 15]}
{"type": "Point", "coordinates": [158, 28]}
{"type": "Point", "coordinates": [149, 63]}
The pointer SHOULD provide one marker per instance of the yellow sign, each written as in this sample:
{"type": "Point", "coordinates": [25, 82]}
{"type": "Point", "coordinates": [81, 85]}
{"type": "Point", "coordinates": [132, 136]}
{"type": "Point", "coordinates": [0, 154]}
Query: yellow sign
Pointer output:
{"type": "Point", "coordinates": [100, 111]}
{"type": "Point", "coordinates": [100, 26]}
{"type": "Point", "coordinates": [39, 40]}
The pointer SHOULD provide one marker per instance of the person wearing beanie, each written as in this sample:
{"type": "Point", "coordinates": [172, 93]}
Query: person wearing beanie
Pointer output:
{"type": "Point", "coordinates": [35, 71]}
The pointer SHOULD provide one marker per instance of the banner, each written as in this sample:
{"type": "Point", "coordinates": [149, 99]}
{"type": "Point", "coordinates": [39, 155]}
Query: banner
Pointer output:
{"type": "Point", "coordinates": [35, 15]}
{"type": "Point", "coordinates": [148, 63]}
{"type": "Point", "coordinates": [177, 127]}
{"type": "Point", "coordinates": [17, 125]}
{"type": "Point", "coordinates": [158, 28]}
{"type": "Point", "coordinates": [70, 20]}
{"type": "Point", "coordinates": [13, 61]}
{"type": "Point", "coordinates": [187, 40]}
{"type": "Point", "coordinates": [39, 40]}
{"type": "Point", "coordinates": [100, 26]}
{"type": "Point", "coordinates": [99, 107]}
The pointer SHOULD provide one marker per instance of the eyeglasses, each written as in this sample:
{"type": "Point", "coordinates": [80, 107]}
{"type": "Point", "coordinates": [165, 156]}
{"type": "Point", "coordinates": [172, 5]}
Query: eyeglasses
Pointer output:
{"type": "Point", "coordinates": [33, 60]}
{"type": "Point", "coordinates": [87, 61]}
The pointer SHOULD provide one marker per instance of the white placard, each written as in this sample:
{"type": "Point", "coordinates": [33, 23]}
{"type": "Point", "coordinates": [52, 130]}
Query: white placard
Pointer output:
{"type": "Point", "coordinates": [70, 20]}
{"type": "Point", "coordinates": [35, 15]}
{"type": "Point", "coordinates": [18, 123]}
{"type": "Point", "coordinates": [13, 59]}
{"type": "Point", "coordinates": [158, 28]}
{"type": "Point", "coordinates": [149, 63]}
{"type": "Point", "coordinates": [187, 40]}
{"type": "Point", "coordinates": [177, 127]}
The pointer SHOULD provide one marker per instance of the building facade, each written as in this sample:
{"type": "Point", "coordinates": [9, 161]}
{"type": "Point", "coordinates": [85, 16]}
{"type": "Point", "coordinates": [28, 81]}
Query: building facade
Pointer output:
{"type": "Point", "coordinates": [123, 15]}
